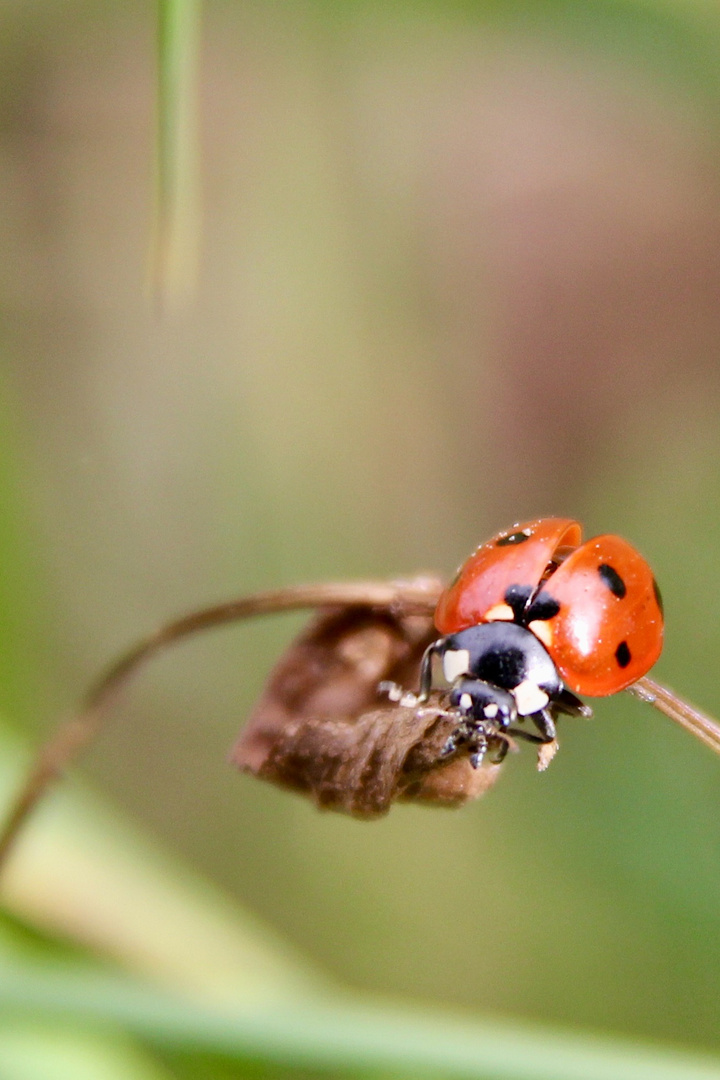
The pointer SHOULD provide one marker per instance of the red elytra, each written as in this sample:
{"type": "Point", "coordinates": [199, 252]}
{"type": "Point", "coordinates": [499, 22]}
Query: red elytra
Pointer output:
{"type": "Point", "coordinates": [607, 630]}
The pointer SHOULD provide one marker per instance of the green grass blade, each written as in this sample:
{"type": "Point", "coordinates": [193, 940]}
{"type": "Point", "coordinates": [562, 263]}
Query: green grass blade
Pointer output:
{"type": "Point", "coordinates": [80, 872]}
{"type": "Point", "coordinates": [342, 1035]}
{"type": "Point", "coordinates": [176, 211]}
{"type": "Point", "coordinates": [34, 1051]}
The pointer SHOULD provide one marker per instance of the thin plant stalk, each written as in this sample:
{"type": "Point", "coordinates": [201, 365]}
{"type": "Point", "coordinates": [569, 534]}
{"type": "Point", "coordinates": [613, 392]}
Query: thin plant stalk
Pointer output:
{"type": "Point", "coordinates": [173, 253]}
{"type": "Point", "coordinates": [698, 723]}
{"type": "Point", "coordinates": [418, 596]}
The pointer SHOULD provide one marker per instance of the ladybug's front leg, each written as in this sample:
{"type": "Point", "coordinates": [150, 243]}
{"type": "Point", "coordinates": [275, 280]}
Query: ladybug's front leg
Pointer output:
{"type": "Point", "coordinates": [407, 698]}
{"type": "Point", "coordinates": [426, 671]}
{"type": "Point", "coordinates": [477, 739]}
{"type": "Point", "coordinates": [471, 735]}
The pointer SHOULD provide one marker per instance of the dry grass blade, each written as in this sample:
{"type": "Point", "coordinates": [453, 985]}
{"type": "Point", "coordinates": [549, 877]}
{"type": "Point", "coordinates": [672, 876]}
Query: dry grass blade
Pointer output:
{"type": "Point", "coordinates": [698, 723]}
{"type": "Point", "coordinates": [416, 596]}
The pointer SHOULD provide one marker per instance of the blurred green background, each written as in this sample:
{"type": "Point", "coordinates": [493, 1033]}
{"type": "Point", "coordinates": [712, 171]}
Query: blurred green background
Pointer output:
{"type": "Point", "coordinates": [457, 265]}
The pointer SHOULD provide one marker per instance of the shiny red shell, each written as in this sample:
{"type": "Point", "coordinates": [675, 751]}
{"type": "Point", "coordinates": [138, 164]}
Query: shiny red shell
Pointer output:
{"type": "Point", "coordinates": [607, 629]}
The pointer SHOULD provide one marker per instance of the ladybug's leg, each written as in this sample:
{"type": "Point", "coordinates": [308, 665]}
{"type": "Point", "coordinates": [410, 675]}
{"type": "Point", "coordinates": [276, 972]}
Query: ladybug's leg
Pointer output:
{"type": "Point", "coordinates": [452, 742]}
{"type": "Point", "coordinates": [545, 724]}
{"type": "Point", "coordinates": [500, 750]}
{"type": "Point", "coordinates": [526, 736]}
{"type": "Point", "coordinates": [471, 734]}
{"type": "Point", "coordinates": [480, 745]}
{"type": "Point", "coordinates": [406, 698]}
{"type": "Point", "coordinates": [566, 702]}
{"type": "Point", "coordinates": [426, 672]}
{"type": "Point", "coordinates": [547, 747]}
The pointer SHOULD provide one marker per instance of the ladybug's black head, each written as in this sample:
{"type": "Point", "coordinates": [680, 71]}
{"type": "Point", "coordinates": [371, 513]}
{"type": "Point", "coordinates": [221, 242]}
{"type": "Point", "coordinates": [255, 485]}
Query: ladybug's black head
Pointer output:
{"type": "Point", "coordinates": [484, 702]}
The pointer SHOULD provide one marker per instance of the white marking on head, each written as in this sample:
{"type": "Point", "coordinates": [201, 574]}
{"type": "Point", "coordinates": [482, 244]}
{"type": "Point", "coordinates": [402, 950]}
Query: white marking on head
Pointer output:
{"type": "Point", "coordinates": [490, 710]}
{"type": "Point", "coordinates": [499, 613]}
{"type": "Point", "coordinates": [455, 663]}
{"type": "Point", "coordinates": [466, 702]}
{"type": "Point", "coordinates": [543, 630]}
{"type": "Point", "coordinates": [529, 697]}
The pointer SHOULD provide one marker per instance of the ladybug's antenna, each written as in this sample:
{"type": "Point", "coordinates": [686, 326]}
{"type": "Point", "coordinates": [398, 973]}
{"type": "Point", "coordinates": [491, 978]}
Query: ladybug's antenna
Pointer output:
{"type": "Point", "coordinates": [698, 723]}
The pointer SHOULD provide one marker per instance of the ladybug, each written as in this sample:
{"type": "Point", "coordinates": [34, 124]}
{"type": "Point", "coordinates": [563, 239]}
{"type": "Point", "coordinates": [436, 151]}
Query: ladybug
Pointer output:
{"type": "Point", "coordinates": [534, 618]}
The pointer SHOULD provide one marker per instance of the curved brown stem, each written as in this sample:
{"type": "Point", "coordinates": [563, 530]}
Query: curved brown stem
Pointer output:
{"type": "Point", "coordinates": [416, 596]}
{"type": "Point", "coordinates": [698, 723]}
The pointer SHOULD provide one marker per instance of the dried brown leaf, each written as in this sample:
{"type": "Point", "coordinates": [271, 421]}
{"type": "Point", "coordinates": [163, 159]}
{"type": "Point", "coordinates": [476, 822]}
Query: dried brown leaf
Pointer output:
{"type": "Point", "coordinates": [322, 728]}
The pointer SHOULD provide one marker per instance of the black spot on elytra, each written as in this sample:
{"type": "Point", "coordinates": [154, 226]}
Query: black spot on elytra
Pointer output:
{"type": "Point", "coordinates": [658, 596]}
{"type": "Point", "coordinates": [622, 654]}
{"type": "Point", "coordinates": [512, 538]}
{"type": "Point", "coordinates": [612, 579]}
{"type": "Point", "coordinates": [517, 597]}
{"type": "Point", "coordinates": [543, 607]}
